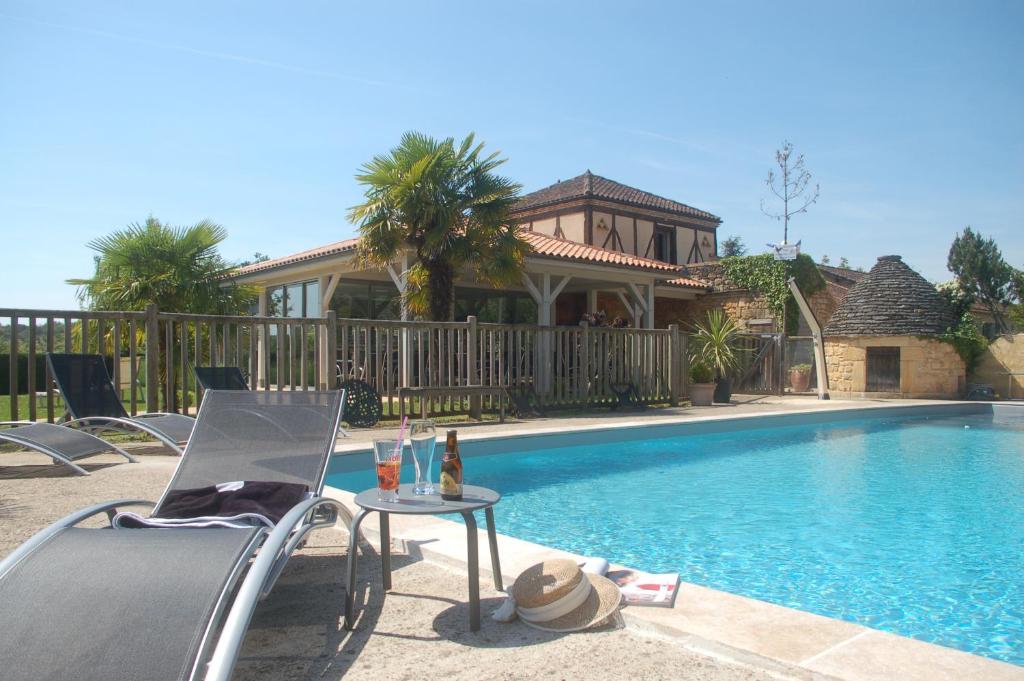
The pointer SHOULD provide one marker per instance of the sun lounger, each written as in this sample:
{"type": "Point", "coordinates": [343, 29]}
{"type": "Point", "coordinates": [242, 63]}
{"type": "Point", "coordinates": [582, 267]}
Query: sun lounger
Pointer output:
{"type": "Point", "coordinates": [92, 402]}
{"type": "Point", "coordinates": [220, 378]}
{"type": "Point", "coordinates": [61, 443]}
{"type": "Point", "coordinates": [101, 603]}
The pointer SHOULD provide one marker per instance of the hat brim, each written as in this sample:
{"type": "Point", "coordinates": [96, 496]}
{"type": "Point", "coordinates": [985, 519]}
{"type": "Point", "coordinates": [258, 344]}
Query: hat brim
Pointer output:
{"type": "Point", "coordinates": [604, 599]}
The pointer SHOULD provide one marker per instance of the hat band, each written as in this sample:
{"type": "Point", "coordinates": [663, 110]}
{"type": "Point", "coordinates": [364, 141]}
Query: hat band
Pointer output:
{"type": "Point", "coordinates": [562, 606]}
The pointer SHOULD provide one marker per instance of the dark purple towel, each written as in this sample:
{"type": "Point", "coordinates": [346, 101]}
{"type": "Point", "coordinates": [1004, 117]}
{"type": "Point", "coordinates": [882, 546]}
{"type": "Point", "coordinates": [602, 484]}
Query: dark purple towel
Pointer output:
{"type": "Point", "coordinates": [270, 499]}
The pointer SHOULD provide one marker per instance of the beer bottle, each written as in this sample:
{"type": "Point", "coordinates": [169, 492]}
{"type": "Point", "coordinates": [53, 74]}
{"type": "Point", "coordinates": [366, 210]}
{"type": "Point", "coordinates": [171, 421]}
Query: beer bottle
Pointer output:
{"type": "Point", "coordinates": [451, 469]}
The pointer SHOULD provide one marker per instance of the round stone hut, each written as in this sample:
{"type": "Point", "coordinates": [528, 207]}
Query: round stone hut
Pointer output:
{"type": "Point", "coordinates": [882, 341]}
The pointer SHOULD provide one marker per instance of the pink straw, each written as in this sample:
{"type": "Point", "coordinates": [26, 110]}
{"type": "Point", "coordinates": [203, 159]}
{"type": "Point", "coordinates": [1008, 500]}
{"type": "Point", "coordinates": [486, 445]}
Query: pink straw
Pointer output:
{"type": "Point", "coordinates": [401, 439]}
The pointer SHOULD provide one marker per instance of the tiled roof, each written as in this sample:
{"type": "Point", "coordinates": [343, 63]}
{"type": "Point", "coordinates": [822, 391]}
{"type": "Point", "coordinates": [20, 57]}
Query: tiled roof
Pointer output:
{"type": "Point", "coordinates": [891, 300]}
{"type": "Point", "coordinates": [842, 272]}
{"type": "Point", "coordinates": [688, 283]}
{"type": "Point", "coordinates": [593, 186]}
{"type": "Point", "coordinates": [311, 254]}
{"type": "Point", "coordinates": [541, 245]}
{"type": "Point", "coordinates": [549, 246]}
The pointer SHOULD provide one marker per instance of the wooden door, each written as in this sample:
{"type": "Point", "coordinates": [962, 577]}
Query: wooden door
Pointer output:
{"type": "Point", "coordinates": [883, 370]}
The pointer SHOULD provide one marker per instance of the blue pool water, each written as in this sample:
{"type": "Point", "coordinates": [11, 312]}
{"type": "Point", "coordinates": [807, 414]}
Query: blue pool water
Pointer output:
{"type": "Point", "coordinates": [910, 525]}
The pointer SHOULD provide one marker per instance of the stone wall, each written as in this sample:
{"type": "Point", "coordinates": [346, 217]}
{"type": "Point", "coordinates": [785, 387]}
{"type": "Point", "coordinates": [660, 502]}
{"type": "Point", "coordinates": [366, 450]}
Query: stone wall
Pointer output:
{"type": "Point", "coordinates": [1004, 355]}
{"type": "Point", "coordinates": [740, 306]}
{"type": "Point", "coordinates": [928, 368]}
{"type": "Point", "coordinates": [825, 302]}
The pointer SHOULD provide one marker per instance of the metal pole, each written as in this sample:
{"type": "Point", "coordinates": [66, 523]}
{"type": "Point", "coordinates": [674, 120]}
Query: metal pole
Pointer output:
{"type": "Point", "coordinates": [819, 341]}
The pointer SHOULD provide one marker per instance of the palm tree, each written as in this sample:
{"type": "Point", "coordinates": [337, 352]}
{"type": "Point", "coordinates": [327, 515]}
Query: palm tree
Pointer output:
{"type": "Point", "coordinates": [445, 203]}
{"type": "Point", "coordinates": [178, 268]}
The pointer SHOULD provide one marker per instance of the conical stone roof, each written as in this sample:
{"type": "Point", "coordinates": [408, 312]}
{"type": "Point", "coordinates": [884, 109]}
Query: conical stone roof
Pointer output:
{"type": "Point", "coordinates": [892, 300]}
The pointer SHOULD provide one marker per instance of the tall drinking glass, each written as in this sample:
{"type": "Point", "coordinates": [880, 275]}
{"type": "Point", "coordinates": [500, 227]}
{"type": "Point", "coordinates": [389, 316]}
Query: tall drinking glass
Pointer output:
{"type": "Point", "coordinates": [423, 437]}
{"type": "Point", "coordinates": [387, 453]}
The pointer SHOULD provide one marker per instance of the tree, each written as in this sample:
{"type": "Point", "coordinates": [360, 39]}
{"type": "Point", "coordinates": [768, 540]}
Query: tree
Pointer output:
{"type": "Point", "coordinates": [445, 203]}
{"type": "Point", "coordinates": [959, 300]}
{"type": "Point", "coordinates": [791, 187]}
{"type": "Point", "coordinates": [825, 260]}
{"type": "Point", "coordinates": [979, 267]}
{"type": "Point", "coordinates": [178, 268]}
{"type": "Point", "coordinates": [844, 262]}
{"type": "Point", "coordinates": [733, 246]}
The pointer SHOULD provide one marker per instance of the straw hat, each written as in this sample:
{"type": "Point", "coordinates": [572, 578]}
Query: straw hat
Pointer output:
{"type": "Point", "coordinates": [557, 596]}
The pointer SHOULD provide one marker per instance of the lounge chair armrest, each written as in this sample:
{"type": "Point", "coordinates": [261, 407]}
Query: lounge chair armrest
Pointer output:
{"type": "Point", "coordinates": [155, 414]}
{"type": "Point", "coordinates": [42, 536]}
{"type": "Point", "coordinates": [263, 568]}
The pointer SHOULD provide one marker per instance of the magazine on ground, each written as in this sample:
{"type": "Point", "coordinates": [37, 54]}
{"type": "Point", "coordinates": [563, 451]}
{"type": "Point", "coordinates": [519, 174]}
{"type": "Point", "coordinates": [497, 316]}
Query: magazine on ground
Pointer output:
{"type": "Point", "coordinates": [638, 588]}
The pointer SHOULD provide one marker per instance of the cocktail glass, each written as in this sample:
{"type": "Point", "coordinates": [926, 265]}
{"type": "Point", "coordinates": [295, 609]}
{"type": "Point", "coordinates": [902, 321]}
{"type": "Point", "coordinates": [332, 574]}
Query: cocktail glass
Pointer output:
{"type": "Point", "coordinates": [423, 436]}
{"type": "Point", "coordinates": [387, 453]}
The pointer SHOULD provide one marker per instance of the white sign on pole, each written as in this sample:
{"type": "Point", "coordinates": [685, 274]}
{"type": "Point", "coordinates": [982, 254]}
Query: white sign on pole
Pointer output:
{"type": "Point", "coordinates": [787, 251]}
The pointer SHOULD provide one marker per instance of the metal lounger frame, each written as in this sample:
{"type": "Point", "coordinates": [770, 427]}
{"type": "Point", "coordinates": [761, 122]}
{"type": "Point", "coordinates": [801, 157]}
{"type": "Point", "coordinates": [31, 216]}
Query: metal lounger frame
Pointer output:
{"type": "Point", "coordinates": [270, 558]}
{"type": "Point", "coordinates": [55, 454]}
{"type": "Point", "coordinates": [126, 423]}
{"type": "Point", "coordinates": [120, 425]}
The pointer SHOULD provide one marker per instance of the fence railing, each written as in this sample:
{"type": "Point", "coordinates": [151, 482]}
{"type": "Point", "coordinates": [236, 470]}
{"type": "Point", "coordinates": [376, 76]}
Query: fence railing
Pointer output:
{"type": "Point", "coordinates": [151, 355]}
{"type": "Point", "coordinates": [563, 366]}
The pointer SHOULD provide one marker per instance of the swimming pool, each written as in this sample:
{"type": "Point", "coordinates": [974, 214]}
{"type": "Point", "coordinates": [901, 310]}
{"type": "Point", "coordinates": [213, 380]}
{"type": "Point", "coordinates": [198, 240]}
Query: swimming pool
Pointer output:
{"type": "Point", "coordinates": [906, 521]}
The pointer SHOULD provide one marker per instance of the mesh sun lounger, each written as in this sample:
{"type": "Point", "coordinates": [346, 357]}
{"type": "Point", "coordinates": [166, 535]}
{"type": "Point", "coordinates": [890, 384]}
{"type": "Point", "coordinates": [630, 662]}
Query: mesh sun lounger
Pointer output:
{"type": "Point", "coordinates": [92, 402]}
{"type": "Point", "coordinates": [220, 378]}
{"type": "Point", "coordinates": [61, 443]}
{"type": "Point", "coordinates": [146, 604]}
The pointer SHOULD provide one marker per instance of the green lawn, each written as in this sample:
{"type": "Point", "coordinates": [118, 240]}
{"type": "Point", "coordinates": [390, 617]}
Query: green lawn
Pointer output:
{"type": "Point", "coordinates": [58, 407]}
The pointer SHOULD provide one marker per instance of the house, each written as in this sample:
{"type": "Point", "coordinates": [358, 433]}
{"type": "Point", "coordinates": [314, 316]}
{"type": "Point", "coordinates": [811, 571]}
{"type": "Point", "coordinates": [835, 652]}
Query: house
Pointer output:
{"type": "Point", "coordinates": [595, 245]}
{"type": "Point", "coordinates": [884, 339]}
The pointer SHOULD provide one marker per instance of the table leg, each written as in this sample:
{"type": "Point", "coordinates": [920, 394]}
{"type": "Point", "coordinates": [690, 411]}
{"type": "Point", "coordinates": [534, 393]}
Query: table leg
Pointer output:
{"type": "Point", "coordinates": [474, 571]}
{"type": "Point", "coordinates": [350, 587]}
{"type": "Point", "coordinates": [492, 539]}
{"type": "Point", "coordinates": [385, 549]}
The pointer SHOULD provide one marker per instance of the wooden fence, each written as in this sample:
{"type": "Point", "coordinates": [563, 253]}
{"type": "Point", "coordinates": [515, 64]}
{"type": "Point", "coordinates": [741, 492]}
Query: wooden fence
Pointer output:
{"type": "Point", "coordinates": [563, 366]}
{"type": "Point", "coordinates": [155, 352]}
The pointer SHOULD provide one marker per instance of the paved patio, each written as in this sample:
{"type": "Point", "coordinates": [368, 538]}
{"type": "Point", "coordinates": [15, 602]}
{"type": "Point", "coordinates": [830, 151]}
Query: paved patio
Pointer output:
{"type": "Point", "coordinates": [419, 631]}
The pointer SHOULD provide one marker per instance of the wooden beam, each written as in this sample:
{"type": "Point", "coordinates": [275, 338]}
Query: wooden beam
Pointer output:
{"type": "Point", "coordinates": [561, 285]}
{"type": "Point", "coordinates": [328, 284]}
{"type": "Point", "coordinates": [532, 288]}
{"type": "Point", "coordinates": [398, 279]}
{"type": "Point", "coordinates": [637, 295]}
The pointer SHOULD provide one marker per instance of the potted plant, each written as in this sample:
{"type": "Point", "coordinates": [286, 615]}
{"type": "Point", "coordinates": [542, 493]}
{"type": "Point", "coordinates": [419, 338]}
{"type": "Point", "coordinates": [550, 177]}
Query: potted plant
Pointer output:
{"type": "Point", "coordinates": [713, 345]}
{"type": "Point", "coordinates": [800, 377]}
{"type": "Point", "coordinates": [702, 387]}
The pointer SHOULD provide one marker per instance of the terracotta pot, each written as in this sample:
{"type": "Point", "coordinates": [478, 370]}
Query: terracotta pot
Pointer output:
{"type": "Point", "coordinates": [701, 394]}
{"type": "Point", "coordinates": [799, 380]}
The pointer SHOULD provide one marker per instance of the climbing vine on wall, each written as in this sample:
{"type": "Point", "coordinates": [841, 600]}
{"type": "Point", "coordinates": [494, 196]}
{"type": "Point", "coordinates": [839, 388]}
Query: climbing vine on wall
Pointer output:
{"type": "Point", "coordinates": [767, 276]}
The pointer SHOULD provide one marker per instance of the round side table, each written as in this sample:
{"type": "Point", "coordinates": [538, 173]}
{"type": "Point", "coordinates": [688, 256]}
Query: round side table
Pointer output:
{"type": "Point", "coordinates": [473, 499]}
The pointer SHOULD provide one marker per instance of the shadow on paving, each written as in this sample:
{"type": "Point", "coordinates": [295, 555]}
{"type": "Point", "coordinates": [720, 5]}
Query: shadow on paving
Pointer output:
{"type": "Point", "coordinates": [51, 470]}
{"type": "Point", "coordinates": [299, 632]}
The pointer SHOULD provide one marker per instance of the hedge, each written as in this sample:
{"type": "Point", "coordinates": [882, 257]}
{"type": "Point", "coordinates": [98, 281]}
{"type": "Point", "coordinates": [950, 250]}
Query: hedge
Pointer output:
{"type": "Point", "coordinates": [40, 373]}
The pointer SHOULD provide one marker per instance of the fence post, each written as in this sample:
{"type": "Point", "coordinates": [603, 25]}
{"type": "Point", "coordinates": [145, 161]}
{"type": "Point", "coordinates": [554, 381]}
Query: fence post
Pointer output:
{"type": "Point", "coordinates": [330, 372]}
{"type": "Point", "coordinates": [472, 375]}
{"type": "Point", "coordinates": [675, 366]}
{"type": "Point", "coordinates": [152, 359]}
{"type": "Point", "coordinates": [780, 371]}
{"type": "Point", "coordinates": [583, 383]}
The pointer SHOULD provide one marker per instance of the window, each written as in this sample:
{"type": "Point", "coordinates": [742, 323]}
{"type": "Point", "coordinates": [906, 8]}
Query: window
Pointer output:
{"type": "Point", "coordinates": [294, 300]}
{"type": "Point", "coordinates": [495, 307]}
{"type": "Point", "coordinates": [664, 244]}
{"type": "Point", "coordinates": [365, 300]}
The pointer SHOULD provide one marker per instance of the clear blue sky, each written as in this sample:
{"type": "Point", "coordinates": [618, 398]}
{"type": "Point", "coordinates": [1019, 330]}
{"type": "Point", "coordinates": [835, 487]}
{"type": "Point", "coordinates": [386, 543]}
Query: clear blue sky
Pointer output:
{"type": "Point", "coordinates": [257, 115]}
